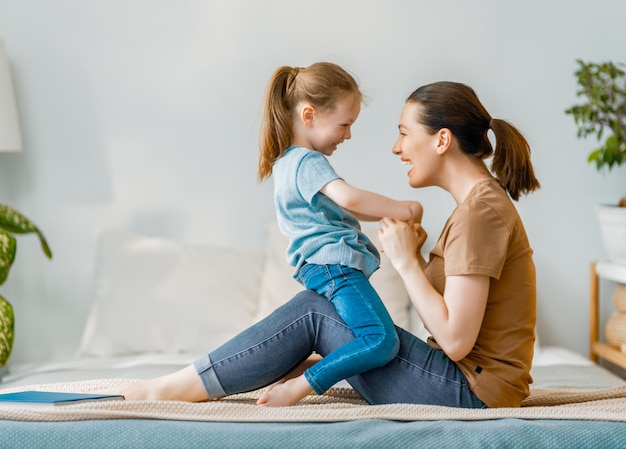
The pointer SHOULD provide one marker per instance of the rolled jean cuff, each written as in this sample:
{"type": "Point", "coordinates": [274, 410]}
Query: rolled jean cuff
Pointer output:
{"type": "Point", "coordinates": [318, 389]}
{"type": "Point", "coordinates": [213, 387]}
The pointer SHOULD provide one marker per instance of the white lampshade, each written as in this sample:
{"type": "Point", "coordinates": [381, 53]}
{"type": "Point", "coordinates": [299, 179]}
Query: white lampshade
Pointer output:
{"type": "Point", "coordinates": [10, 137]}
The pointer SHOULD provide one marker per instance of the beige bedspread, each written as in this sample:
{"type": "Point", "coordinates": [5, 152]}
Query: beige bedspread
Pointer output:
{"type": "Point", "coordinates": [337, 405]}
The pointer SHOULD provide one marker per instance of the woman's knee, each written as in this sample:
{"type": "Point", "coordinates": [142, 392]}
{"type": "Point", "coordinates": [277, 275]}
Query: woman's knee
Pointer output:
{"type": "Point", "coordinates": [310, 299]}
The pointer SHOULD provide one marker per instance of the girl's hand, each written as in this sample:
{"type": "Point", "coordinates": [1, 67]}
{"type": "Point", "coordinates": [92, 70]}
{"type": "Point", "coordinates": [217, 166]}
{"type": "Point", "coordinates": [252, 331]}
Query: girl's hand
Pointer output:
{"type": "Point", "coordinates": [416, 211]}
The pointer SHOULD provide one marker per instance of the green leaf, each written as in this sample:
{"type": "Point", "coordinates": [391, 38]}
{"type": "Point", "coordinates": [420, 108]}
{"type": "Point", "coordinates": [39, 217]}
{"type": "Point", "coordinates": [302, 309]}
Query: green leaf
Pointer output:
{"type": "Point", "coordinates": [13, 221]}
{"type": "Point", "coordinates": [608, 158]}
{"type": "Point", "coordinates": [8, 246]}
{"type": "Point", "coordinates": [612, 144]}
{"type": "Point", "coordinates": [7, 330]}
{"type": "Point", "coordinates": [594, 155]}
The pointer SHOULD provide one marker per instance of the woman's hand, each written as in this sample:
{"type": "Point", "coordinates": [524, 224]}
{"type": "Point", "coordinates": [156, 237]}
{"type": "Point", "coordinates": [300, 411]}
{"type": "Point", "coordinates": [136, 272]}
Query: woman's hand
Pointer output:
{"type": "Point", "coordinates": [454, 318]}
{"type": "Point", "coordinates": [402, 242]}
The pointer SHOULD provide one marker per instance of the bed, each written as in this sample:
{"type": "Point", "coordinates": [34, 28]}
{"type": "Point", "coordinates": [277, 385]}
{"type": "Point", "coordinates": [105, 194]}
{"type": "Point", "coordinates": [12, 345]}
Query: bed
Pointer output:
{"type": "Point", "coordinates": [197, 298]}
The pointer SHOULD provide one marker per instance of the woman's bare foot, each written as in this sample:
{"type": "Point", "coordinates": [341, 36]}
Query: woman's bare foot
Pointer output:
{"type": "Point", "coordinates": [183, 385]}
{"type": "Point", "coordinates": [287, 393]}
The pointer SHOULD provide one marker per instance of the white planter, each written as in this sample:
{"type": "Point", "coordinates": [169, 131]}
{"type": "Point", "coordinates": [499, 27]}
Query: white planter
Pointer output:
{"type": "Point", "coordinates": [613, 230]}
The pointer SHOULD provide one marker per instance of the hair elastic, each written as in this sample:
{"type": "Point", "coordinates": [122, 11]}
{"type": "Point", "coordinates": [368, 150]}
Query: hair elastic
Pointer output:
{"type": "Point", "coordinates": [294, 72]}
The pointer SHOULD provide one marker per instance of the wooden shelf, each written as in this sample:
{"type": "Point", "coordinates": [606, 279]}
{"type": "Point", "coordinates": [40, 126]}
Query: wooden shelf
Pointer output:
{"type": "Point", "coordinates": [611, 271]}
{"type": "Point", "coordinates": [609, 353]}
{"type": "Point", "coordinates": [597, 349]}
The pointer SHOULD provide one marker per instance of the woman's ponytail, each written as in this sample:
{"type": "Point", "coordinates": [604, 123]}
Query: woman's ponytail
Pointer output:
{"type": "Point", "coordinates": [511, 160]}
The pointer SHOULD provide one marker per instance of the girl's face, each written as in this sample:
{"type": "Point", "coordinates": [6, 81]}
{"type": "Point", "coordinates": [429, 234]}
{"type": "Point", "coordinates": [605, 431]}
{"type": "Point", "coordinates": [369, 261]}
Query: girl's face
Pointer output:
{"type": "Point", "coordinates": [417, 148]}
{"type": "Point", "coordinates": [329, 129]}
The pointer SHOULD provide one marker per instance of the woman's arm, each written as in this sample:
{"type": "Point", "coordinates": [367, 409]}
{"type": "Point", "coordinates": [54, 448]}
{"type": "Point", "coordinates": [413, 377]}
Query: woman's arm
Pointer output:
{"type": "Point", "coordinates": [370, 206]}
{"type": "Point", "coordinates": [457, 324]}
{"type": "Point", "coordinates": [453, 319]}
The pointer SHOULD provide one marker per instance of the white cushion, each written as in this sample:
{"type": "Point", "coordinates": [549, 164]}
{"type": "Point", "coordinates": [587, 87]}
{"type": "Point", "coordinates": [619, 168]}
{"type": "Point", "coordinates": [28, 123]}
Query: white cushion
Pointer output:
{"type": "Point", "coordinates": [156, 295]}
{"type": "Point", "coordinates": [278, 285]}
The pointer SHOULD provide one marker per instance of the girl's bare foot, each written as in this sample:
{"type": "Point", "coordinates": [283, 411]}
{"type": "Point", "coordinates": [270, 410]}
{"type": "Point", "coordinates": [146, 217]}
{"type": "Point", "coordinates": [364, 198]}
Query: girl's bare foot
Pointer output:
{"type": "Point", "coordinates": [288, 393]}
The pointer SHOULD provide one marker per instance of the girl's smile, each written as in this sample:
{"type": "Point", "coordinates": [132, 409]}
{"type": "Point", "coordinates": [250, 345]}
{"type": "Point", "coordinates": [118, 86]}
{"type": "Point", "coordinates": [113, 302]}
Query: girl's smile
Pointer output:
{"type": "Point", "coordinates": [325, 131]}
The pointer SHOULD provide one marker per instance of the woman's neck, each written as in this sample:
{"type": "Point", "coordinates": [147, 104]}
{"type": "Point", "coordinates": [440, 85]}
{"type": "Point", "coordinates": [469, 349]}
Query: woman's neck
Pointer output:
{"type": "Point", "coordinates": [463, 176]}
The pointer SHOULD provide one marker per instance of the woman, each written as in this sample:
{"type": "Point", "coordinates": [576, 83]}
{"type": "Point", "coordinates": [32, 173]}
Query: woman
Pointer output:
{"type": "Point", "coordinates": [476, 294]}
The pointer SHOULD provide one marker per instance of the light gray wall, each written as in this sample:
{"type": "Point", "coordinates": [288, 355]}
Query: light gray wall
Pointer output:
{"type": "Point", "coordinates": [143, 114]}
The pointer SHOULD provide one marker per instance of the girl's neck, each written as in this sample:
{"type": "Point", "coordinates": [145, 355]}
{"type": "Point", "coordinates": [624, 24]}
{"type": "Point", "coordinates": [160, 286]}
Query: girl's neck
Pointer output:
{"type": "Point", "coordinates": [299, 135]}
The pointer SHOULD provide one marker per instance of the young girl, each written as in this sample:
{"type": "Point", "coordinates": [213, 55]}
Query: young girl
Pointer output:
{"type": "Point", "coordinates": [308, 113]}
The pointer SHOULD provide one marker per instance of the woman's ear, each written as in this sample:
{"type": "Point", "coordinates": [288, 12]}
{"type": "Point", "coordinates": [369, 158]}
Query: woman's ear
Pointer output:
{"type": "Point", "coordinates": [444, 140]}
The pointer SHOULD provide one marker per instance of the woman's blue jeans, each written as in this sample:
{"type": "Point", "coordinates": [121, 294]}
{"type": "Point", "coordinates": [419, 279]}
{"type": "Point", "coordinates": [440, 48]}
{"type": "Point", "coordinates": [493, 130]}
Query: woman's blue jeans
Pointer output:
{"type": "Point", "coordinates": [360, 307]}
{"type": "Point", "coordinates": [273, 347]}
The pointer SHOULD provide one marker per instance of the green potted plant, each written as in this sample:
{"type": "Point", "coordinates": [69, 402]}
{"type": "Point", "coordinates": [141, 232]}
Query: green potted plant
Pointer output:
{"type": "Point", "coordinates": [603, 114]}
{"type": "Point", "coordinates": [12, 222]}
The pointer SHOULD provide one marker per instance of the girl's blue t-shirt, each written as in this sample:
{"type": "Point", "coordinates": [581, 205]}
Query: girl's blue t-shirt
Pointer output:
{"type": "Point", "coordinates": [319, 230]}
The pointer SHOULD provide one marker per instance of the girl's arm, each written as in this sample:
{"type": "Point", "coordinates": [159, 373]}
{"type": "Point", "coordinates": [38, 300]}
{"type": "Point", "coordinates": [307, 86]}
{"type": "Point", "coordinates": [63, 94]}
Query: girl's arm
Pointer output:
{"type": "Point", "coordinates": [453, 319]}
{"type": "Point", "coordinates": [370, 206]}
{"type": "Point", "coordinates": [363, 217]}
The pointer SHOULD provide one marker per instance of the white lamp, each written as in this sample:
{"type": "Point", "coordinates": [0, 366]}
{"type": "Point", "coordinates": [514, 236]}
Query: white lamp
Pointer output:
{"type": "Point", "coordinates": [10, 137]}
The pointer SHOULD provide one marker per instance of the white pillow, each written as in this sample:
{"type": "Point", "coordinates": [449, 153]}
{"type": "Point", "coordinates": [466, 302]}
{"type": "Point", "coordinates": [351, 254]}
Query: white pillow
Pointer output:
{"type": "Point", "coordinates": [156, 295]}
{"type": "Point", "coordinates": [278, 285]}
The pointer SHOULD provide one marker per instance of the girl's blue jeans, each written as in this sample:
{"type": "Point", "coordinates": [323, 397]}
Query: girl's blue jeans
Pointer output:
{"type": "Point", "coordinates": [360, 307]}
{"type": "Point", "coordinates": [276, 345]}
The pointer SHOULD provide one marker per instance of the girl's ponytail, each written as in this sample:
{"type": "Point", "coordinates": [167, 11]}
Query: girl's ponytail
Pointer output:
{"type": "Point", "coordinates": [276, 127]}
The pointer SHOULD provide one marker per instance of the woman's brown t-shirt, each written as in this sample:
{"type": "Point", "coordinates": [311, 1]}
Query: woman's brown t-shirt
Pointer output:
{"type": "Point", "coordinates": [485, 236]}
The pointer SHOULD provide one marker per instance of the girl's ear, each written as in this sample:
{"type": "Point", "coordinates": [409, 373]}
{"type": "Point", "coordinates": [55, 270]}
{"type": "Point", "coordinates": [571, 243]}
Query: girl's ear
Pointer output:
{"type": "Point", "coordinates": [307, 115]}
{"type": "Point", "coordinates": [444, 140]}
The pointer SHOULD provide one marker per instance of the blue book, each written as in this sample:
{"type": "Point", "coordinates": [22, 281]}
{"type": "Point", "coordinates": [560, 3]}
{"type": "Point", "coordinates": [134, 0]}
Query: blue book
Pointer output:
{"type": "Point", "coordinates": [51, 398]}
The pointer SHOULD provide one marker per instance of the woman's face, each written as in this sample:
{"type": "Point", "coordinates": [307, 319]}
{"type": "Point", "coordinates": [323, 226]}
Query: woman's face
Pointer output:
{"type": "Point", "coordinates": [417, 148]}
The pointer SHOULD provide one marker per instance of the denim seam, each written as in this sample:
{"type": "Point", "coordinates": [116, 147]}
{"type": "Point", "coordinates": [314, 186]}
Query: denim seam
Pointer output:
{"type": "Point", "coordinates": [282, 330]}
{"type": "Point", "coordinates": [430, 373]}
